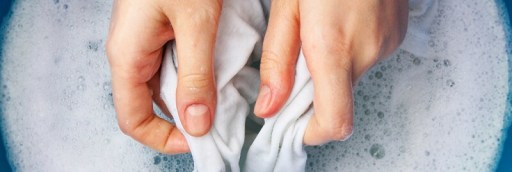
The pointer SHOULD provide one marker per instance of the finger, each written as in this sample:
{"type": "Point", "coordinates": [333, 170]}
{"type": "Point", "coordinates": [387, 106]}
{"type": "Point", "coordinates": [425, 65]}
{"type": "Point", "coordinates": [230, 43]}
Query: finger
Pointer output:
{"type": "Point", "coordinates": [134, 52]}
{"type": "Point", "coordinates": [136, 118]}
{"type": "Point", "coordinates": [329, 62]}
{"type": "Point", "coordinates": [280, 51]}
{"type": "Point", "coordinates": [138, 29]}
{"type": "Point", "coordinates": [195, 39]}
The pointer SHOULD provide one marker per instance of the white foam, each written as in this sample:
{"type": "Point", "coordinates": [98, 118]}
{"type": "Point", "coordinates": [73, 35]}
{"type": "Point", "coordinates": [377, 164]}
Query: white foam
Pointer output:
{"type": "Point", "coordinates": [444, 112]}
{"type": "Point", "coordinates": [58, 113]}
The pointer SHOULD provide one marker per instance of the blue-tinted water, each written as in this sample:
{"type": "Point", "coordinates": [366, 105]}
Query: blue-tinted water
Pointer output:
{"type": "Point", "coordinates": [505, 163]}
{"type": "Point", "coordinates": [5, 5]}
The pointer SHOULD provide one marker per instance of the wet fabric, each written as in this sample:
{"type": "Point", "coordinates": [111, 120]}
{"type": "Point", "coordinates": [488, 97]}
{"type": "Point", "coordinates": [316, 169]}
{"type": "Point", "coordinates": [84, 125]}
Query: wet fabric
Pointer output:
{"type": "Point", "coordinates": [278, 145]}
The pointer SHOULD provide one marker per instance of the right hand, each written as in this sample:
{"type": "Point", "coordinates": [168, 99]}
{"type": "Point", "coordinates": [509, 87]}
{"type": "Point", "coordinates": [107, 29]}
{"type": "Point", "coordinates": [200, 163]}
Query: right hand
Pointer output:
{"type": "Point", "coordinates": [138, 33]}
{"type": "Point", "coordinates": [340, 39]}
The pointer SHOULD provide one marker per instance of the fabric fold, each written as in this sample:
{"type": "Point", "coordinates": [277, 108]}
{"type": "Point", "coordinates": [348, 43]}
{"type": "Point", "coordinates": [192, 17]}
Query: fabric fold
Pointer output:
{"type": "Point", "coordinates": [239, 34]}
{"type": "Point", "coordinates": [278, 146]}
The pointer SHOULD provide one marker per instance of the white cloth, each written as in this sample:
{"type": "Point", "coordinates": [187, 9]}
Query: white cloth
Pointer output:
{"type": "Point", "coordinates": [421, 15]}
{"type": "Point", "coordinates": [278, 145]}
{"type": "Point", "coordinates": [239, 34]}
{"type": "Point", "coordinates": [58, 115]}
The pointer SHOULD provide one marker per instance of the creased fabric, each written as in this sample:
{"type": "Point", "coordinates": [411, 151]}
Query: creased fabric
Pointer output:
{"type": "Point", "coordinates": [231, 145]}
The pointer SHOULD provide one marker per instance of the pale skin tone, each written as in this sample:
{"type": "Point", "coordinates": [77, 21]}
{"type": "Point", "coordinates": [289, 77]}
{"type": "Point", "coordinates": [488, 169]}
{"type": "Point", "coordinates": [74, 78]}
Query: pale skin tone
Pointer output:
{"type": "Point", "coordinates": [340, 39]}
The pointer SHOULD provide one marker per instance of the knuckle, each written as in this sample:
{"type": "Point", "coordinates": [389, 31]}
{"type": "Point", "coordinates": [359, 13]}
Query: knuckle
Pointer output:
{"type": "Point", "coordinates": [376, 42]}
{"type": "Point", "coordinates": [343, 133]}
{"type": "Point", "coordinates": [134, 70]}
{"type": "Point", "coordinates": [207, 13]}
{"type": "Point", "coordinates": [323, 56]}
{"type": "Point", "coordinates": [271, 62]}
{"type": "Point", "coordinates": [196, 81]}
{"type": "Point", "coordinates": [392, 42]}
{"type": "Point", "coordinates": [328, 40]}
{"type": "Point", "coordinates": [126, 128]}
{"type": "Point", "coordinates": [130, 67]}
{"type": "Point", "coordinates": [206, 16]}
{"type": "Point", "coordinates": [374, 48]}
{"type": "Point", "coordinates": [135, 128]}
{"type": "Point", "coordinates": [339, 131]}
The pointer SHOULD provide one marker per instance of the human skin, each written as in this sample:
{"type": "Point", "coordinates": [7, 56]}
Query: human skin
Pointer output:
{"type": "Point", "coordinates": [340, 39]}
{"type": "Point", "coordinates": [138, 33]}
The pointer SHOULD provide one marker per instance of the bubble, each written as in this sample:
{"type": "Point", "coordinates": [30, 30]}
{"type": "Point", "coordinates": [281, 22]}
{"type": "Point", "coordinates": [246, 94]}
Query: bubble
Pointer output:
{"type": "Point", "coordinates": [380, 115]}
{"type": "Point", "coordinates": [447, 63]}
{"type": "Point", "coordinates": [367, 137]}
{"type": "Point", "coordinates": [401, 149]}
{"type": "Point", "coordinates": [350, 163]}
{"type": "Point", "coordinates": [383, 68]}
{"type": "Point", "coordinates": [416, 61]}
{"type": "Point", "coordinates": [378, 75]}
{"type": "Point", "coordinates": [81, 87]}
{"type": "Point", "coordinates": [367, 112]}
{"type": "Point", "coordinates": [81, 79]}
{"type": "Point", "coordinates": [377, 151]}
{"type": "Point", "coordinates": [157, 160]}
{"type": "Point", "coordinates": [92, 46]}
{"type": "Point", "coordinates": [106, 106]}
{"type": "Point", "coordinates": [366, 98]}
{"type": "Point", "coordinates": [431, 43]}
{"type": "Point", "coordinates": [450, 83]}
{"type": "Point", "coordinates": [106, 86]}
{"type": "Point", "coordinates": [360, 93]}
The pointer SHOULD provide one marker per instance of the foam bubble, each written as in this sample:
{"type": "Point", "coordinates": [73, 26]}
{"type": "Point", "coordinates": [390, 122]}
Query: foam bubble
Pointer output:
{"type": "Point", "coordinates": [442, 112]}
{"type": "Point", "coordinates": [377, 151]}
{"type": "Point", "coordinates": [58, 112]}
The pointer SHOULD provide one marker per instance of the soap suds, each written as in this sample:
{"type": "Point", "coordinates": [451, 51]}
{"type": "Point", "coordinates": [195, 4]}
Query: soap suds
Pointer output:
{"type": "Point", "coordinates": [58, 113]}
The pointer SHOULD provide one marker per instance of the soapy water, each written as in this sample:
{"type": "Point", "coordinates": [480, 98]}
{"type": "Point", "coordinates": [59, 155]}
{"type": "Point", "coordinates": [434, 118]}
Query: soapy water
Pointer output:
{"type": "Point", "coordinates": [441, 112]}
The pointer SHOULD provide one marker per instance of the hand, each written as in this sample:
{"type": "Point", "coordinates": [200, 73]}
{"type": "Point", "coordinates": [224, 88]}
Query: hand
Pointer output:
{"type": "Point", "coordinates": [138, 34]}
{"type": "Point", "coordinates": [340, 40]}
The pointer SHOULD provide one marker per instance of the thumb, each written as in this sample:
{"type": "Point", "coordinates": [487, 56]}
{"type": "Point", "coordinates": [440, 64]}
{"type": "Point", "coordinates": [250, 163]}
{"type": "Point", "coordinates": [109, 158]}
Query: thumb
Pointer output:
{"type": "Point", "coordinates": [280, 51]}
{"type": "Point", "coordinates": [195, 32]}
{"type": "Point", "coordinates": [327, 50]}
{"type": "Point", "coordinates": [333, 101]}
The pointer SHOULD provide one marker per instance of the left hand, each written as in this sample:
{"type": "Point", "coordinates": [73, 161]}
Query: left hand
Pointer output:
{"type": "Point", "coordinates": [139, 32]}
{"type": "Point", "coordinates": [340, 39]}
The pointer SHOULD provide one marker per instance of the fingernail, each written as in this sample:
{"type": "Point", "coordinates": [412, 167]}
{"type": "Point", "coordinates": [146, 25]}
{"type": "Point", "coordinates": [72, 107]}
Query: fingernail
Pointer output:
{"type": "Point", "coordinates": [198, 119]}
{"type": "Point", "coordinates": [349, 132]}
{"type": "Point", "coordinates": [263, 101]}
